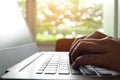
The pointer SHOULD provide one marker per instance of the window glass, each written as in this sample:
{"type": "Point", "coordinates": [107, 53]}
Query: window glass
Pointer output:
{"type": "Point", "coordinates": [66, 18]}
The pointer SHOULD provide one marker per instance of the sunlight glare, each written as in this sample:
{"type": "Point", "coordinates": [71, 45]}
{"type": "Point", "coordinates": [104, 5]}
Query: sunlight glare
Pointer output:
{"type": "Point", "coordinates": [68, 12]}
{"type": "Point", "coordinates": [89, 3]}
{"type": "Point", "coordinates": [48, 12]}
{"type": "Point", "coordinates": [61, 16]}
{"type": "Point", "coordinates": [59, 36]}
{"type": "Point", "coordinates": [61, 26]}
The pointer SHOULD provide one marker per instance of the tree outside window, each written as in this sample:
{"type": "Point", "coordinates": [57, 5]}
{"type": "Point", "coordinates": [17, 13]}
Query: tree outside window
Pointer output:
{"type": "Point", "coordinates": [67, 18]}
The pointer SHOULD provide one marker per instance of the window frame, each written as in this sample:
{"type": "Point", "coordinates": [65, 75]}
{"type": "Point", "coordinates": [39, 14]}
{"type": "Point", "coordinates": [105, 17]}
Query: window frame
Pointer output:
{"type": "Point", "coordinates": [31, 15]}
{"type": "Point", "coordinates": [110, 16]}
{"type": "Point", "coordinates": [31, 20]}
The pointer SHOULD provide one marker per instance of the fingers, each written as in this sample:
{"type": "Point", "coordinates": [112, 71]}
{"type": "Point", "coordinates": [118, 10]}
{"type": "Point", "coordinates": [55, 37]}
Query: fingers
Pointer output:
{"type": "Point", "coordinates": [73, 45]}
{"type": "Point", "coordinates": [94, 59]}
{"type": "Point", "coordinates": [83, 37]}
{"type": "Point", "coordinates": [86, 48]}
{"type": "Point", "coordinates": [97, 35]}
{"type": "Point", "coordinates": [72, 48]}
{"type": "Point", "coordinates": [77, 44]}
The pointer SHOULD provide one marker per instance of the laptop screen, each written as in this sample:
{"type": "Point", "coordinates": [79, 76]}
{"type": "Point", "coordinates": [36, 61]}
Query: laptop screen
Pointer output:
{"type": "Point", "coordinates": [13, 29]}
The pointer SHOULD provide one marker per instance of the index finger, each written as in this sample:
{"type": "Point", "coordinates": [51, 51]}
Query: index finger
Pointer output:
{"type": "Point", "coordinates": [75, 42]}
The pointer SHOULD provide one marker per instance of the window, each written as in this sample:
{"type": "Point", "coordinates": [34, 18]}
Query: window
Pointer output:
{"type": "Point", "coordinates": [65, 18]}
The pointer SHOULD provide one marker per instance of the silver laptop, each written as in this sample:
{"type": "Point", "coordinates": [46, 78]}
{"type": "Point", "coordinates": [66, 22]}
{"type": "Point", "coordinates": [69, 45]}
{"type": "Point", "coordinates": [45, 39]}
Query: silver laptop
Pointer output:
{"type": "Point", "coordinates": [48, 65]}
{"type": "Point", "coordinates": [55, 66]}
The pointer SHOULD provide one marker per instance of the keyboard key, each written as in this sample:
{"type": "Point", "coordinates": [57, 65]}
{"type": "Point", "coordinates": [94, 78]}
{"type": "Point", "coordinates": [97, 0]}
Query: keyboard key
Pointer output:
{"type": "Point", "coordinates": [63, 71]}
{"type": "Point", "coordinates": [105, 73]}
{"type": "Point", "coordinates": [100, 69]}
{"type": "Point", "coordinates": [44, 65]}
{"type": "Point", "coordinates": [39, 72]}
{"type": "Point", "coordinates": [64, 68]}
{"type": "Point", "coordinates": [52, 66]}
{"type": "Point", "coordinates": [89, 71]}
{"type": "Point", "coordinates": [41, 69]}
{"type": "Point", "coordinates": [51, 69]}
{"type": "Point", "coordinates": [50, 72]}
{"type": "Point", "coordinates": [60, 65]}
{"type": "Point", "coordinates": [81, 70]}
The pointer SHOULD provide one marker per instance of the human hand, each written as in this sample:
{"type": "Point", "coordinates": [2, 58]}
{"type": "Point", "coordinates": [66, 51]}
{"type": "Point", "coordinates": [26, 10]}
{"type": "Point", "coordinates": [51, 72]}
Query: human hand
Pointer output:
{"type": "Point", "coordinates": [88, 51]}
{"type": "Point", "coordinates": [108, 57]}
{"type": "Point", "coordinates": [96, 35]}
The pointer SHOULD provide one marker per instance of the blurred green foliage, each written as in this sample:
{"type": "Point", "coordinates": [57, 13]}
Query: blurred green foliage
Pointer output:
{"type": "Point", "coordinates": [66, 17]}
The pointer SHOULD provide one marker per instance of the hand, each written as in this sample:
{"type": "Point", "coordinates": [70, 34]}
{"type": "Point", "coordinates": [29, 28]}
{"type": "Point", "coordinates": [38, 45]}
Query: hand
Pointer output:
{"type": "Point", "coordinates": [104, 52]}
{"type": "Point", "coordinates": [96, 35]}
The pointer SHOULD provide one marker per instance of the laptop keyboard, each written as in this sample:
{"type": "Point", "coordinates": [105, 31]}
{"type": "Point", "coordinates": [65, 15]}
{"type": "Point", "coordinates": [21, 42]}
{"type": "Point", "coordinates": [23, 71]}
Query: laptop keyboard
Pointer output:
{"type": "Point", "coordinates": [59, 64]}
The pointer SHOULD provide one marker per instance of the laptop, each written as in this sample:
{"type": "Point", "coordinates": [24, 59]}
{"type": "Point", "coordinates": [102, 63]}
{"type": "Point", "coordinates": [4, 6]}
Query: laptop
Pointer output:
{"type": "Point", "coordinates": [49, 65]}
